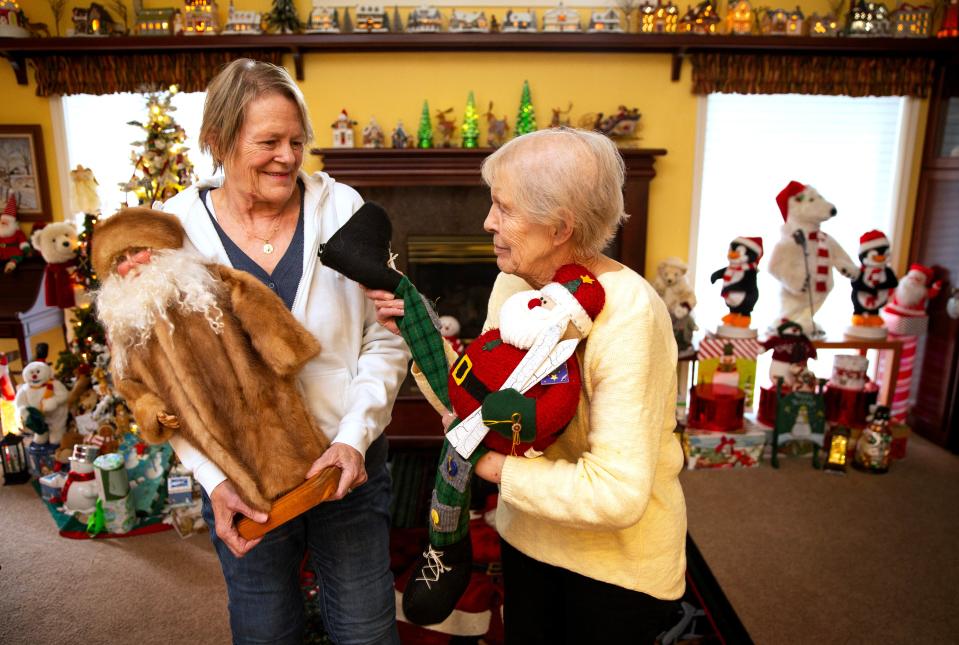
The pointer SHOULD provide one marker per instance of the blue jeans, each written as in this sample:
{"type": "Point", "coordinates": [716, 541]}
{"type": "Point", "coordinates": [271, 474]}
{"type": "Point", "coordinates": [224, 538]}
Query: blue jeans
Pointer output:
{"type": "Point", "coordinates": [349, 545]}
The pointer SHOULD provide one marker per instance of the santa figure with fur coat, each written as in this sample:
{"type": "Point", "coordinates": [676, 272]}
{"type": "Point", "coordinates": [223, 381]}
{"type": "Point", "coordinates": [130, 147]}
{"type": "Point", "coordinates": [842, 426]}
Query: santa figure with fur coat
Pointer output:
{"type": "Point", "coordinates": [13, 243]}
{"type": "Point", "coordinates": [804, 257]}
{"type": "Point", "coordinates": [160, 304]}
{"type": "Point", "coordinates": [871, 288]}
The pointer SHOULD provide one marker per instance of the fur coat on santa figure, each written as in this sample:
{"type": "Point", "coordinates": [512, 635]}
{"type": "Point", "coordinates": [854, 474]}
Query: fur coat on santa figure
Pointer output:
{"type": "Point", "coordinates": [871, 288]}
{"type": "Point", "coordinates": [804, 257]}
{"type": "Point", "coordinates": [206, 351]}
{"type": "Point", "coordinates": [13, 243]}
{"type": "Point", "coordinates": [740, 290]}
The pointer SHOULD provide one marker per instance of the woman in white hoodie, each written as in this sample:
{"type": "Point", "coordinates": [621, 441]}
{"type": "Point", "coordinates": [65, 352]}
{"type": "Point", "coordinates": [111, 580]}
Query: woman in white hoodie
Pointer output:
{"type": "Point", "coordinates": [265, 216]}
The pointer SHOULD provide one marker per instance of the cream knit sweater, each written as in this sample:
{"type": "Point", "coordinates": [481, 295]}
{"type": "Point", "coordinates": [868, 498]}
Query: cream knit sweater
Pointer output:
{"type": "Point", "coordinates": [605, 499]}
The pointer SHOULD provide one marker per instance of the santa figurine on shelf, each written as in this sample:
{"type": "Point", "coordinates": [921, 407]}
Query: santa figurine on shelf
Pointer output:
{"type": "Point", "coordinates": [871, 288]}
{"type": "Point", "coordinates": [791, 349]}
{"type": "Point", "coordinates": [13, 243]}
{"type": "Point", "coordinates": [917, 288]}
{"type": "Point", "coordinates": [739, 286]}
{"type": "Point", "coordinates": [450, 330]}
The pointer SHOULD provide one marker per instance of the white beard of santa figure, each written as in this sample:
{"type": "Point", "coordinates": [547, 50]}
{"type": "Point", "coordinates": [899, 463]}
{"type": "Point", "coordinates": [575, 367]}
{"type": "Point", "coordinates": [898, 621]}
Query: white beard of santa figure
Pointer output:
{"type": "Point", "coordinates": [131, 306]}
{"type": "Point", "coordinates": [915, 289]}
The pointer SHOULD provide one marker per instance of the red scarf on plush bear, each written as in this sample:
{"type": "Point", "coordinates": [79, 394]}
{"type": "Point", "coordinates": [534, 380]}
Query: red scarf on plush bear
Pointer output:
{"type": "Point", "coordinates": [58, 284]}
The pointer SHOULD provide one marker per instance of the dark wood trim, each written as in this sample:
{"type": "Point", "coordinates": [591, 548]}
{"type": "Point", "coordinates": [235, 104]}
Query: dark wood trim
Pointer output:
{"type": "Point", "coordinates": [17, 50]}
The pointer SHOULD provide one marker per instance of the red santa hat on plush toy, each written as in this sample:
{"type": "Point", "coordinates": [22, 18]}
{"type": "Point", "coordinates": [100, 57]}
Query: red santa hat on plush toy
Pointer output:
{"type": "Point", "coordinates": [872, 240]}
{"type": "Point", "coordinates": [754, 244]}
{"type": "Point", "coordinates": [792, 189]}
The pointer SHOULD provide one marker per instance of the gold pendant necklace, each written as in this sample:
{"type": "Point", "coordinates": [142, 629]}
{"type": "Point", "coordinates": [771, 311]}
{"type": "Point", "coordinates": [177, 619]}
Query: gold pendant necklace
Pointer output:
{"type": "Point", "coordinates": [267, 247]}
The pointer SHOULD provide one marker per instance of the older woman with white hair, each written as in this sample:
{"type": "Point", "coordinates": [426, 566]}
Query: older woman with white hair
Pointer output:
{"type": "Point", "coordinates": [593, 531]}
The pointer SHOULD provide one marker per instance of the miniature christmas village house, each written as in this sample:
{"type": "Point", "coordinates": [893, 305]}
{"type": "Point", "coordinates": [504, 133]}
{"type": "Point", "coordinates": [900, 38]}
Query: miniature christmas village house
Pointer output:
{"type": "Point", "coordinates": [200, 18]}
{"type": "Point", "coordinates": [911, 21]}
{"type": "Point", "coordinates": [371, 19]}
{"type": "Point", "coordinates": [867, 19]}
{"type": "Point", "coordinates": [519, 21]}
{"type": "Point", "coordinates": [604, 21]}
{"type": "Point", "coordinates": [95, 21]}
{"type": "Point", "coordinates": [243, 22]}
{"type": "Point", "coordinates": [659, 18]}
{"type": "Point", "coordinates": [156, 22]}
{"type": "Point", "coordinates": [561, 19]}
{"type": "Point", "coordinates": [740, 18]}
{"type": "Point", "coordinates": [323, 20]}
{"type": "Point", "coordinates": [701, 19]}
{"type": "Point", "coordinates": [469, 22]}
{"type": "Point", "coordinates": [11, 24]}
{"type": "Point", "coordinates": [795, 23]}
{"type": "Point", "coordinates": [822, 25]}
{"type": "Point", "coordinates": [343, 131]}
{"type": "Point", "coordinates": [424, 19]}
{"type": "Point", "coordinates": [774, 22]}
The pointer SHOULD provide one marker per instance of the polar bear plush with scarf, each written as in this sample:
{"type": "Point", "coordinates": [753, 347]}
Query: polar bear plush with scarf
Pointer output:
{"type": "Point", "coordinates": [804, 257]}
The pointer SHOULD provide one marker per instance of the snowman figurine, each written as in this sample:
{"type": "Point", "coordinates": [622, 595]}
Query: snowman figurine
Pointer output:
{"type": "Point", "coordinates": [41, 402]}
{"type": "Point", "coordinates": [80, 490]}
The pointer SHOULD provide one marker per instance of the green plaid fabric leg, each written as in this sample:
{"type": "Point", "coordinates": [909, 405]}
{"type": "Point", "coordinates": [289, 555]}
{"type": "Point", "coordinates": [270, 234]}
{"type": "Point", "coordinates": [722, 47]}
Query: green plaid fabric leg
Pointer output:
{"type": "Point", "coordinates": [421, 332]}
{"type": "Point", "coordinates": [449, 510]}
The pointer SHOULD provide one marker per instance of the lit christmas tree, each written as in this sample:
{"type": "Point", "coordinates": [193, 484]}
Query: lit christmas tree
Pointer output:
{"type": "Point", "coordinates": [161, 167]}
{"type": "Point", "coordinates": [424, 136]}
{"type": "Point", "coordinates": [470, 124]}
{"type": "Point", "coordinates": [526, 119]}
{"type": "Point", "coordinates": [283, 18]}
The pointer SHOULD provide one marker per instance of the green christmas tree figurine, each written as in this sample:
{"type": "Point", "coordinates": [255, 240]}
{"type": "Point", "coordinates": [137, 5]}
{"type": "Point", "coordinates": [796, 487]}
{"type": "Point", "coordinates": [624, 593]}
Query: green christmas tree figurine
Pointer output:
{"type": "Point", "coordinates": [283, 18]}
{"type": "Point", "coordinates": [526, 119]}
{"type": "Point", "coordinates": [470, 124]}
{"type": "Point", "coordinates": [424, 136]}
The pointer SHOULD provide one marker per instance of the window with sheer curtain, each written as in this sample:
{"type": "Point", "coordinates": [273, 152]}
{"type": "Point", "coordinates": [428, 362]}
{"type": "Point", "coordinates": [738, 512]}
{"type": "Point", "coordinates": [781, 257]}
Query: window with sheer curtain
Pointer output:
{"type": "Point", "coordinates": [849, 149]}
{"type": "Point", "coordinates": [98, 137]}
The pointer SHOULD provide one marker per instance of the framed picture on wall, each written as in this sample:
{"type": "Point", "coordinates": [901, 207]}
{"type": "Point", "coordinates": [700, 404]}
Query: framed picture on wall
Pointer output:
{"type": "Point", "coordinates": [23, 172]}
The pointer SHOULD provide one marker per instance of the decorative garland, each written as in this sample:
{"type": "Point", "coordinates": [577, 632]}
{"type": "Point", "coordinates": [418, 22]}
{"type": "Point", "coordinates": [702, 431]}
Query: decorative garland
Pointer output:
{"type": "Point", "coordinates": [191, 71]}
{"type": "Point", "coordinates": [792, 74]}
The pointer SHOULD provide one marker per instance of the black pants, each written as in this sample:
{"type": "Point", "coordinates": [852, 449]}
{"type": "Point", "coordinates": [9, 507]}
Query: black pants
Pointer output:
{"type": "Point", "coordinates": [547, 605]}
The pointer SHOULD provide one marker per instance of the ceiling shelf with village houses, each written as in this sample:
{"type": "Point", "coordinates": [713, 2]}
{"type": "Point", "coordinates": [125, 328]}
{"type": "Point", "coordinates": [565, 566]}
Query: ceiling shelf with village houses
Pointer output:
{"type": "Point", "coordinates": [375, 31]}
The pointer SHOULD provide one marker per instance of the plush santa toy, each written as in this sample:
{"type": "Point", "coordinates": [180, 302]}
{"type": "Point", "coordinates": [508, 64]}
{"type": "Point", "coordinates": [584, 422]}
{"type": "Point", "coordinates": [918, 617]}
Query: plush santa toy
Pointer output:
{"type": "Point", "coordinates": [871, 288]}
{"type": "Point", "coordinates": [739, 286]}
{"type": "Point", "coordinates": [13, 243]}
{"type": "Point", "coordinates": [917, 287]}
{"type": "Point", "coordinates": [791, 349]}
{"type": "Point", "coordinates": [521, 418]}
{"type": "Point", "coordinates": [804, 257]}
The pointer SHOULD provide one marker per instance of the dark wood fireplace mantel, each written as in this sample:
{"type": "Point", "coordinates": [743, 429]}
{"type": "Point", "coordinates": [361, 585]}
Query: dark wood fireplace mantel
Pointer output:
{"type": "Point", "coordinates": [410, 167]}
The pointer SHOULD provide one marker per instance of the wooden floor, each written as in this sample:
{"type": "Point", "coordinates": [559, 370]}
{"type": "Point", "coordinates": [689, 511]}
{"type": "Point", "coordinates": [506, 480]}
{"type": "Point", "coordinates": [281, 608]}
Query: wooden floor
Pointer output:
{"type": "Point", "coordinates": [808, 557]}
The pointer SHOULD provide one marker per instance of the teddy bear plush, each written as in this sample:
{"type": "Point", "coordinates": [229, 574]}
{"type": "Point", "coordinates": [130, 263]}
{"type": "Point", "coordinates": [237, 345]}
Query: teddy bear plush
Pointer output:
{"type": "Point", "coordinates": [41, 402]}
{"type": "Point", "coordinates": [804, 257]}
{"type": "Point", "coordinates": [672, 285]}
{"type": "Point", "coordinates": [57, 243]}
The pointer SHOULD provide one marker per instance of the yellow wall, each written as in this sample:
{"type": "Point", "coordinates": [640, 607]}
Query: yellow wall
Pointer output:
{"type": "Point", "coordinates": [394, 85]}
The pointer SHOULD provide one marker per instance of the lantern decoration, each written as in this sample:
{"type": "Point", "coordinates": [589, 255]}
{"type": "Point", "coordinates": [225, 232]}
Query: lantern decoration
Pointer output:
{"type": "Point", "coordinates": [200, 18]}
{"type": "Point", "coordinates": [156, 22]}
{"type": "Point", "coordinates": [701, 19]}
{"type": "Point", "coordinates": [950, 22]}
{"type": "Point", "coordinates": [659, 18]}
{"type": "Point", "coordinates": [243, 22]}
{"type": "Point", "coordinates": [873, 450]}
{"type": "Point", "coordinates": [823, 26]}
{"type": "Point", "coordinates": [867, 19]}
{"type": "Point", "coordinates": [836, 446]}
{"type": "Point", "coordinates": [740, 18]}
{"type": "Point", "coordinates": [14, 460]}
{"type": "Point", "coordinates": [911, 21]}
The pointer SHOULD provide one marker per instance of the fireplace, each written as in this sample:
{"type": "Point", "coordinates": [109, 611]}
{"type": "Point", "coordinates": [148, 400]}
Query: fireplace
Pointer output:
{"type": "Point", "coordinates": [437, 203]}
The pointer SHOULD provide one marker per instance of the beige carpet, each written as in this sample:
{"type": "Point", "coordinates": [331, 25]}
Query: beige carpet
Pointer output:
{"type": "Point", "coordinates": [143, 590]}
{"type": "Point", "coordinates": [807, 557]}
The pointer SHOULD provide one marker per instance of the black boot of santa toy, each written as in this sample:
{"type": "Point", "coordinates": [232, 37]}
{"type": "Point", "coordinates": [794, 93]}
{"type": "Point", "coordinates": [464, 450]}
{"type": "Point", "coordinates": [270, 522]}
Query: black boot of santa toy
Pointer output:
{"type": "Point", "coordinates": [439, 580]}
{"type": "Point", "coordinates": [360, 249]}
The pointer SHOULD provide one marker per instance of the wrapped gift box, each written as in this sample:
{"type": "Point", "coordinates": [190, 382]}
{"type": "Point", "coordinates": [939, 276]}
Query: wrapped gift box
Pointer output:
{"type": "Point", "coordinates": [745, 350]}
{"type": "Point", "coordinates": [51, 485]}
{"type": "Point", "coordinates": [705, 449]}
{"type": "Point", "coordinates": [180, 490]}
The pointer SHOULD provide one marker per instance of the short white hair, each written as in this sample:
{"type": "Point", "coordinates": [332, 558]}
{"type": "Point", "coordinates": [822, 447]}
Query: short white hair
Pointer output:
{"type": "Point", "coordinates": [564, 171]}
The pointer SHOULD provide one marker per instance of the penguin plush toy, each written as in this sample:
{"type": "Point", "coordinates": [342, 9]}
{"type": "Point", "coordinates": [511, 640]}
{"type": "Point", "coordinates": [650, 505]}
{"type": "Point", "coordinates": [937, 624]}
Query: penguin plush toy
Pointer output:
{"type": "Point", "coordinates": [739, 280]}
{"type": "Point", "coordinates": [871, 288]}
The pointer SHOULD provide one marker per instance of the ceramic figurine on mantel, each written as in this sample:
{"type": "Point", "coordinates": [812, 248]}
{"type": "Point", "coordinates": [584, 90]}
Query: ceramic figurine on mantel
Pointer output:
{"type": "Point", "coordinates": [343, 130]}
{"type": "Point", "coordinates": [867, 18]}
{"type": "Point", "coordinates": [739, 286]}
{"type": "Point", "coordinates": [371, 19]}
{"type": "Point", "coordinates": [424, 19]}
{"type": "Point", "coordinates": [606, 21]}
{"type": "Point", "coordinates": [519, 21]}
{"type": "Point", "coordinates": [200, 18]}
{"type": "Point", "coordinates": [400, 138]}
{"type": "Point", "coordinates": [94, 21]}
{"type": "Point", "coordinates": [243, 22]}
{"type": "Point", "coordinates": [12, 20]}
{"type": "Point", "coordinates": [561, 19]}
{"type": "Point", "coordinates": [872, 287]}
{"type": "Point", "coordinates": [469, 22]}
{"type": "Point", "coordinates": [373, 136]}
{"type": "Point", "coordinates": [323, 20]}
{"type": "Point", "coordinates": [497, 130]}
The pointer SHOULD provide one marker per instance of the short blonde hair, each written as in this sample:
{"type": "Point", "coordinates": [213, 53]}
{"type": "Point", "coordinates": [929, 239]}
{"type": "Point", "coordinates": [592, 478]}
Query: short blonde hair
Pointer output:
{"type": "Point", "coordinates": [230, 93]}
{"type": "Point", "coordinates": [560, 171]}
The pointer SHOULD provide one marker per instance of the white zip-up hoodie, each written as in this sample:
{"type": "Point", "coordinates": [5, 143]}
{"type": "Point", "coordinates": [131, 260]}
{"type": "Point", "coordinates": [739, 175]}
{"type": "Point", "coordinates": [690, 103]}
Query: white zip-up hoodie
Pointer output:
{"type": "Point", "coordinates": [351, 385]}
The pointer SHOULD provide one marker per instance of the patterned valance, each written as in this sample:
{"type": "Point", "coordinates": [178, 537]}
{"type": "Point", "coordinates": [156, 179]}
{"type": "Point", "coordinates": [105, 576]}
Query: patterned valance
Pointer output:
{"type": "Point", "coordinates": [800, 74]}
{"type": "Point", "coordinates": [107, 74]}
